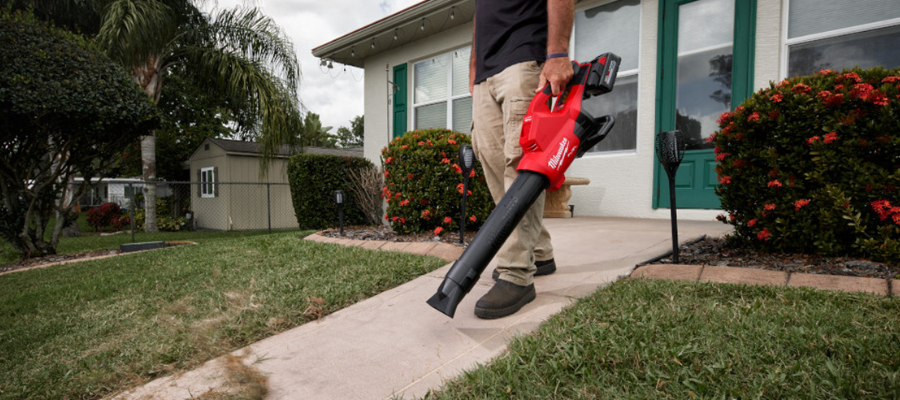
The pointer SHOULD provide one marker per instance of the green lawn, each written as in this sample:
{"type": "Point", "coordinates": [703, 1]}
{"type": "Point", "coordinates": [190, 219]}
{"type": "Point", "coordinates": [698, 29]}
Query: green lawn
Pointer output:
{"type": "Point", "coordinates": [645, 339]}
{"type": "Point", "coordinates": [89, 329]}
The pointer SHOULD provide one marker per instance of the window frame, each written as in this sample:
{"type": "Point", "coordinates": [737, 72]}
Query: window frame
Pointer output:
{"type": "Point", "coordinates": [622, 74]}
{"type": "Point", "coordinates": [207, 183]}
{"type": "Point", "coordinates": [787, 42]}
{"type": "Point", "coordinates": [467, 49]}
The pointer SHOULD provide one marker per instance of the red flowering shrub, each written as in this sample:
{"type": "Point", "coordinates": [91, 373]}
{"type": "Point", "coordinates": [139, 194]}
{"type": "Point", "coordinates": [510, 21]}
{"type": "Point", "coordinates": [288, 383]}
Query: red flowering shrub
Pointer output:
{"type": "Point", "coordinates": [108, 214]}
{"type": "Point", "coordinates": [812, 165]}
{"type": "Point", "coordinates": [424, 184]}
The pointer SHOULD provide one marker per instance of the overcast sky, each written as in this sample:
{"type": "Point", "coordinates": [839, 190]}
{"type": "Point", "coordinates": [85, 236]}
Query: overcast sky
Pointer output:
{"type": "Point", "coordinates": [335, 95]}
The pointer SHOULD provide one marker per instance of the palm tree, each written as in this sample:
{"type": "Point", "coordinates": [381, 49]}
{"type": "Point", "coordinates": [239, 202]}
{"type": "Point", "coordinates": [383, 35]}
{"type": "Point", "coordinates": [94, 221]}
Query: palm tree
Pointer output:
{"type": "Point", "coordinates": [240, 53]}
{"type": "Point", "coordinates": [314, 134]}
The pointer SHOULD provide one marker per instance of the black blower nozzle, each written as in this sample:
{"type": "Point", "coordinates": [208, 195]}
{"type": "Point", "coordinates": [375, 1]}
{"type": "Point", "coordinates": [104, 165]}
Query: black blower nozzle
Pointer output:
{"type": "Point", "coordinates": [487, 242]}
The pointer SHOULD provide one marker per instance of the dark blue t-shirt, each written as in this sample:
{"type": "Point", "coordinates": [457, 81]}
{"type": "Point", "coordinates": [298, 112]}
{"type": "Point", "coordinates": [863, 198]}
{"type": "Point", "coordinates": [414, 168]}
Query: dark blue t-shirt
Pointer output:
{"type": "Point", "coordinates": [508, 32]}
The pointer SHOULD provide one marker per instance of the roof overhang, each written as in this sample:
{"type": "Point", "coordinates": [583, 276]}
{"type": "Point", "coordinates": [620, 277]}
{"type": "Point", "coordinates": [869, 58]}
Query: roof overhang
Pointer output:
{"type": "Point", "coordinates": [419, 21]}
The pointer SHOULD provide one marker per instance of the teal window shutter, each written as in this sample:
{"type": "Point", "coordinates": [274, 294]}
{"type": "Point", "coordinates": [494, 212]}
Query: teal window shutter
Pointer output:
{"type": "Point", "coordinates": [400, 96]}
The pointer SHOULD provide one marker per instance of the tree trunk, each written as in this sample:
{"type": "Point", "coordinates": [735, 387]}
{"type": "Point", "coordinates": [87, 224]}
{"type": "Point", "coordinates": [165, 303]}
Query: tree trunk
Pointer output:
{"type": "Point", "coordinates": [148, 167]}
{"type": "Point", "coordinates": [149, 76]}
{"type": "Point", "coordinates": [70, 230]}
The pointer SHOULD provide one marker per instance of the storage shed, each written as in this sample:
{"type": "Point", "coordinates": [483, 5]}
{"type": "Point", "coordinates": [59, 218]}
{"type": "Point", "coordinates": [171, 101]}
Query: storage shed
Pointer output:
{"type": "Point", "coordinates": [230, 193]}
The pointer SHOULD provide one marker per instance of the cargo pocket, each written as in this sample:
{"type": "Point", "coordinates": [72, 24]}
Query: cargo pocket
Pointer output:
{"type": "Point", "coordinates": [517, 109]}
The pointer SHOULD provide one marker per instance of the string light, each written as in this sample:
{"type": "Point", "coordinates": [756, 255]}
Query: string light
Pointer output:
{"type": "Point", "coordinates": [395, 33]}
{"type": "Point", "coordinates": [373, 43]}
{"type": "Point", "coordinates": [452, 12]}
{"type": "Point", "coordinates": [352, 52]}
{"type": "Point", "coordinates": [422, 27]}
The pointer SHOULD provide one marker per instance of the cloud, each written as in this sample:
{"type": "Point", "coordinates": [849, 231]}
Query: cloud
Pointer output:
{"type": "Point", "coordinates": [335, 95]}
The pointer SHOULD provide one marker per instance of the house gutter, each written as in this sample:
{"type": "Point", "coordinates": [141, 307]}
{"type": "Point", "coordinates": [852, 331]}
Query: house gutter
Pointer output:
{"type": "Point", "coordinates": [354, 47]}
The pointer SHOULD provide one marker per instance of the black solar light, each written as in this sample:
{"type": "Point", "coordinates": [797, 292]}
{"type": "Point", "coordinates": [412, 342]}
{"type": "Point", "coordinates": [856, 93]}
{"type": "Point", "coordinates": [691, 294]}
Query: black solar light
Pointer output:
{"type": "Point", "coordinates": [670, 152]}
{"type": "Point", "coordinates": [339, 200]}
{"type": "Point", "coordinates": [466, 162]}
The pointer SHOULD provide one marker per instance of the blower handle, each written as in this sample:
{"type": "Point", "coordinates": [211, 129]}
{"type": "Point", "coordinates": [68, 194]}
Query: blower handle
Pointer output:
{"type": "Point", "coordinates": [588, 142]}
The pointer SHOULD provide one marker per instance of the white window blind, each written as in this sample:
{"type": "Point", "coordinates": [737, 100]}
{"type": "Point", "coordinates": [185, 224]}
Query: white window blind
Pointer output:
{"type": "Point", "coordinates": [810, 17]}
{"type": "Point", "coordinates": [431, 79]}
{"type": "Point", "coordinates": [839, 34]}
{"type": "Point", "coordinates": [442, 96]}
{"type": "Point", "coordinates": [613, 27]}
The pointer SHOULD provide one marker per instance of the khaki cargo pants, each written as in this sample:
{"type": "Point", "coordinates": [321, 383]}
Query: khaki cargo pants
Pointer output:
{"type": "Point", "coordinates": [498, 106]}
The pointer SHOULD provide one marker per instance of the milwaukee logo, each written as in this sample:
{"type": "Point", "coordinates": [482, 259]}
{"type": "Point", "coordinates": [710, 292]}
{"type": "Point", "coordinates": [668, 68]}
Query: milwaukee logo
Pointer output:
{"type": "Point", "coordinates": [563, 146]}
{"type": "Point", "coordinates": [527, 119]}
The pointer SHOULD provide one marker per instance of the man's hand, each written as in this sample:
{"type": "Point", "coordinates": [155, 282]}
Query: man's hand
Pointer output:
{"type": "Point", "coordinates": [558, 71]}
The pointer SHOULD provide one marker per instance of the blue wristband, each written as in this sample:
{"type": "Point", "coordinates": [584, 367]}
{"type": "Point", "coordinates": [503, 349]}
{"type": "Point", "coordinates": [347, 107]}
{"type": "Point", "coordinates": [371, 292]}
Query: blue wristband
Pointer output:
{"type": "Point", "coordinates": [557, 55]}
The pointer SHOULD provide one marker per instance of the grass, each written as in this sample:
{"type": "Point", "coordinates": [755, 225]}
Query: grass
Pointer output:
{"type": "Point", "coordinates": [89, 329]}
{"type": "Point", "coordinates": [645, 339]}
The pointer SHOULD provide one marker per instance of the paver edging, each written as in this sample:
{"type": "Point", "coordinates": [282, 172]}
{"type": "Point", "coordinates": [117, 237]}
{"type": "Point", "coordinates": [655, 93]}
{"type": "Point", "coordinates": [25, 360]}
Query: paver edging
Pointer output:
{"type": "Point", "coordinates": [738, 275]}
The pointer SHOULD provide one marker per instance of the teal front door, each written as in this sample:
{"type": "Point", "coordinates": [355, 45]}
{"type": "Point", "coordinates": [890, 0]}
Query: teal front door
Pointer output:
{"type": "Point", "coordinates": [705, 68]}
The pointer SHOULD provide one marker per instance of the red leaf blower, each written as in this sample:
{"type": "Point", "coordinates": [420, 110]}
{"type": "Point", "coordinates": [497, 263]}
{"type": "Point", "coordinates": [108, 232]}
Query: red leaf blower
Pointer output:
{"type": "Point", "coordinates": [553, 135]}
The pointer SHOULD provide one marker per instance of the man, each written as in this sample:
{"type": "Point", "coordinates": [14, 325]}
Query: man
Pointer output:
{"type": "Point", "coordinates": [518, 47]}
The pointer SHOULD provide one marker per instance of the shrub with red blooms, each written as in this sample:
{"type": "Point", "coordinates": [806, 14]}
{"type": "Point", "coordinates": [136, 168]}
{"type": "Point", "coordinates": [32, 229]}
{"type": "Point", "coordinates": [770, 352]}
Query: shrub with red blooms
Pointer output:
{"type": "Point", "coordinates": [108, 214]}
{"type": "Point", "coordinates": [424, 183]}
{"type": "Point", "coordinates": [812, 165]}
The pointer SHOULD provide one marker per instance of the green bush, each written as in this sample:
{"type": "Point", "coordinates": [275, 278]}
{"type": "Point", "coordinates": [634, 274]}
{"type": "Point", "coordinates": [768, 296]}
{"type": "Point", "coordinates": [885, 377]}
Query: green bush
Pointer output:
{"type": "Point", "coordinates": [812, 165]}
{"type": "Point", "coordinates": [65, 110]}
{"type": "Point", "coordinates": [164, 220]}
{"type": "Point", "coordinates": [423, 183]}
{"type": "Point", "coordinates": [313, 179]}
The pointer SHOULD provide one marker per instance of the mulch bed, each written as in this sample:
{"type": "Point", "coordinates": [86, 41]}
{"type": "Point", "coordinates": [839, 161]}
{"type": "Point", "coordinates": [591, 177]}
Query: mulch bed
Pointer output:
{"type": "Point", "coordinates": [715, 252]}
{"type": "Point", "coordinates": [386, 234]}
{"type": "Point", "coordinates": [40, 261]}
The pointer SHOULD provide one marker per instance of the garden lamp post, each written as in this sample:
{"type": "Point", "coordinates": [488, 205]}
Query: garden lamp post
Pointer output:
{"type": "Point", "coordinates": [466, 162]}
{"type": "Point", "coordinates": [670, 152]}
{"type": "Point", "coordinates": [339, 200]}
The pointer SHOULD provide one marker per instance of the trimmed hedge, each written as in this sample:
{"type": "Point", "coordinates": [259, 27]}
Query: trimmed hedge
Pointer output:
{"type": "Point", "coordinates": [423, 183]}
{"type": "Point", "coordinates": [812, 165]}
{"type": "Point", "coordinates": [313, 179]}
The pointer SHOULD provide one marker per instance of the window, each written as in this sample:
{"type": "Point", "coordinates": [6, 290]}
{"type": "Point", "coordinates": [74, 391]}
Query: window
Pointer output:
{"type": "Point", "coordinates": [838, 34]}
{"type": "Point", "coordinates": [207, 182]}
{"type": "Point", "coordinates": [613, 27]}
{"type": "Point", "coordinates": [441, 97]}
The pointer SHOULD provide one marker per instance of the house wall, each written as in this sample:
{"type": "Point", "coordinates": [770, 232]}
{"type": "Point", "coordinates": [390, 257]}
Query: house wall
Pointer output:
{"type": "Point", "coordinates": [379, 69]}
{"type": "Point", "coordinates": [621, 183]}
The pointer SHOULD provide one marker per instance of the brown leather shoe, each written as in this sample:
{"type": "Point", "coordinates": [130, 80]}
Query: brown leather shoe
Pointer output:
{"type": "Point", "coordinates": [545, 267]}
{"type": "Point", "coordinates": [505, 298]}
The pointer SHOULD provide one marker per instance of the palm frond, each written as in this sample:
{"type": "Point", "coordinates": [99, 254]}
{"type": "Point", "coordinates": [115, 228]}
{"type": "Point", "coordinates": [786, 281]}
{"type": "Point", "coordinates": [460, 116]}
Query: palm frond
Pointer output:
{"type": "Point", "coordinates": [264, 102]}
{"type": "Point", "coordinates": [133, 31]}
{"type": "Point", "coordinates": [258, 38]}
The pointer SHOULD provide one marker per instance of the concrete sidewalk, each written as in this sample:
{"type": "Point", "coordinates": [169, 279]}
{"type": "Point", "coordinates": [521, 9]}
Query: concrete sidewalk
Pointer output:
{"type": "Point", "coordinates": [394, 344]}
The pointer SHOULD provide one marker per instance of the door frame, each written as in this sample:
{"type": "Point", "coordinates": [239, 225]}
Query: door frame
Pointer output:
{"type": "Point", "coordinates": [744, 50]}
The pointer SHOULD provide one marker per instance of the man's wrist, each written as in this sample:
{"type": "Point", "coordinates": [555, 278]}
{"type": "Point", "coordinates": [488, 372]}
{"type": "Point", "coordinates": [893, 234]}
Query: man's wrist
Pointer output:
{"type": "Point", "coordinates": [558, 55]}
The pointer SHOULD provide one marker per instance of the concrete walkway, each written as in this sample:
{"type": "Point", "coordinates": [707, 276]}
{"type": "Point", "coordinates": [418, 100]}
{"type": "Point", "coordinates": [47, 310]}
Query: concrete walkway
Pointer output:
{"type": "Point", "coordinates": [394, 344]}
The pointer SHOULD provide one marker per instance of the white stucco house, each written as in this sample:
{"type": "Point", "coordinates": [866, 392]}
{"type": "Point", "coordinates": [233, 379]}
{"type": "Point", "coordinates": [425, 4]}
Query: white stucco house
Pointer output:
{"type": "Point", "coordinates": [684, 63]}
